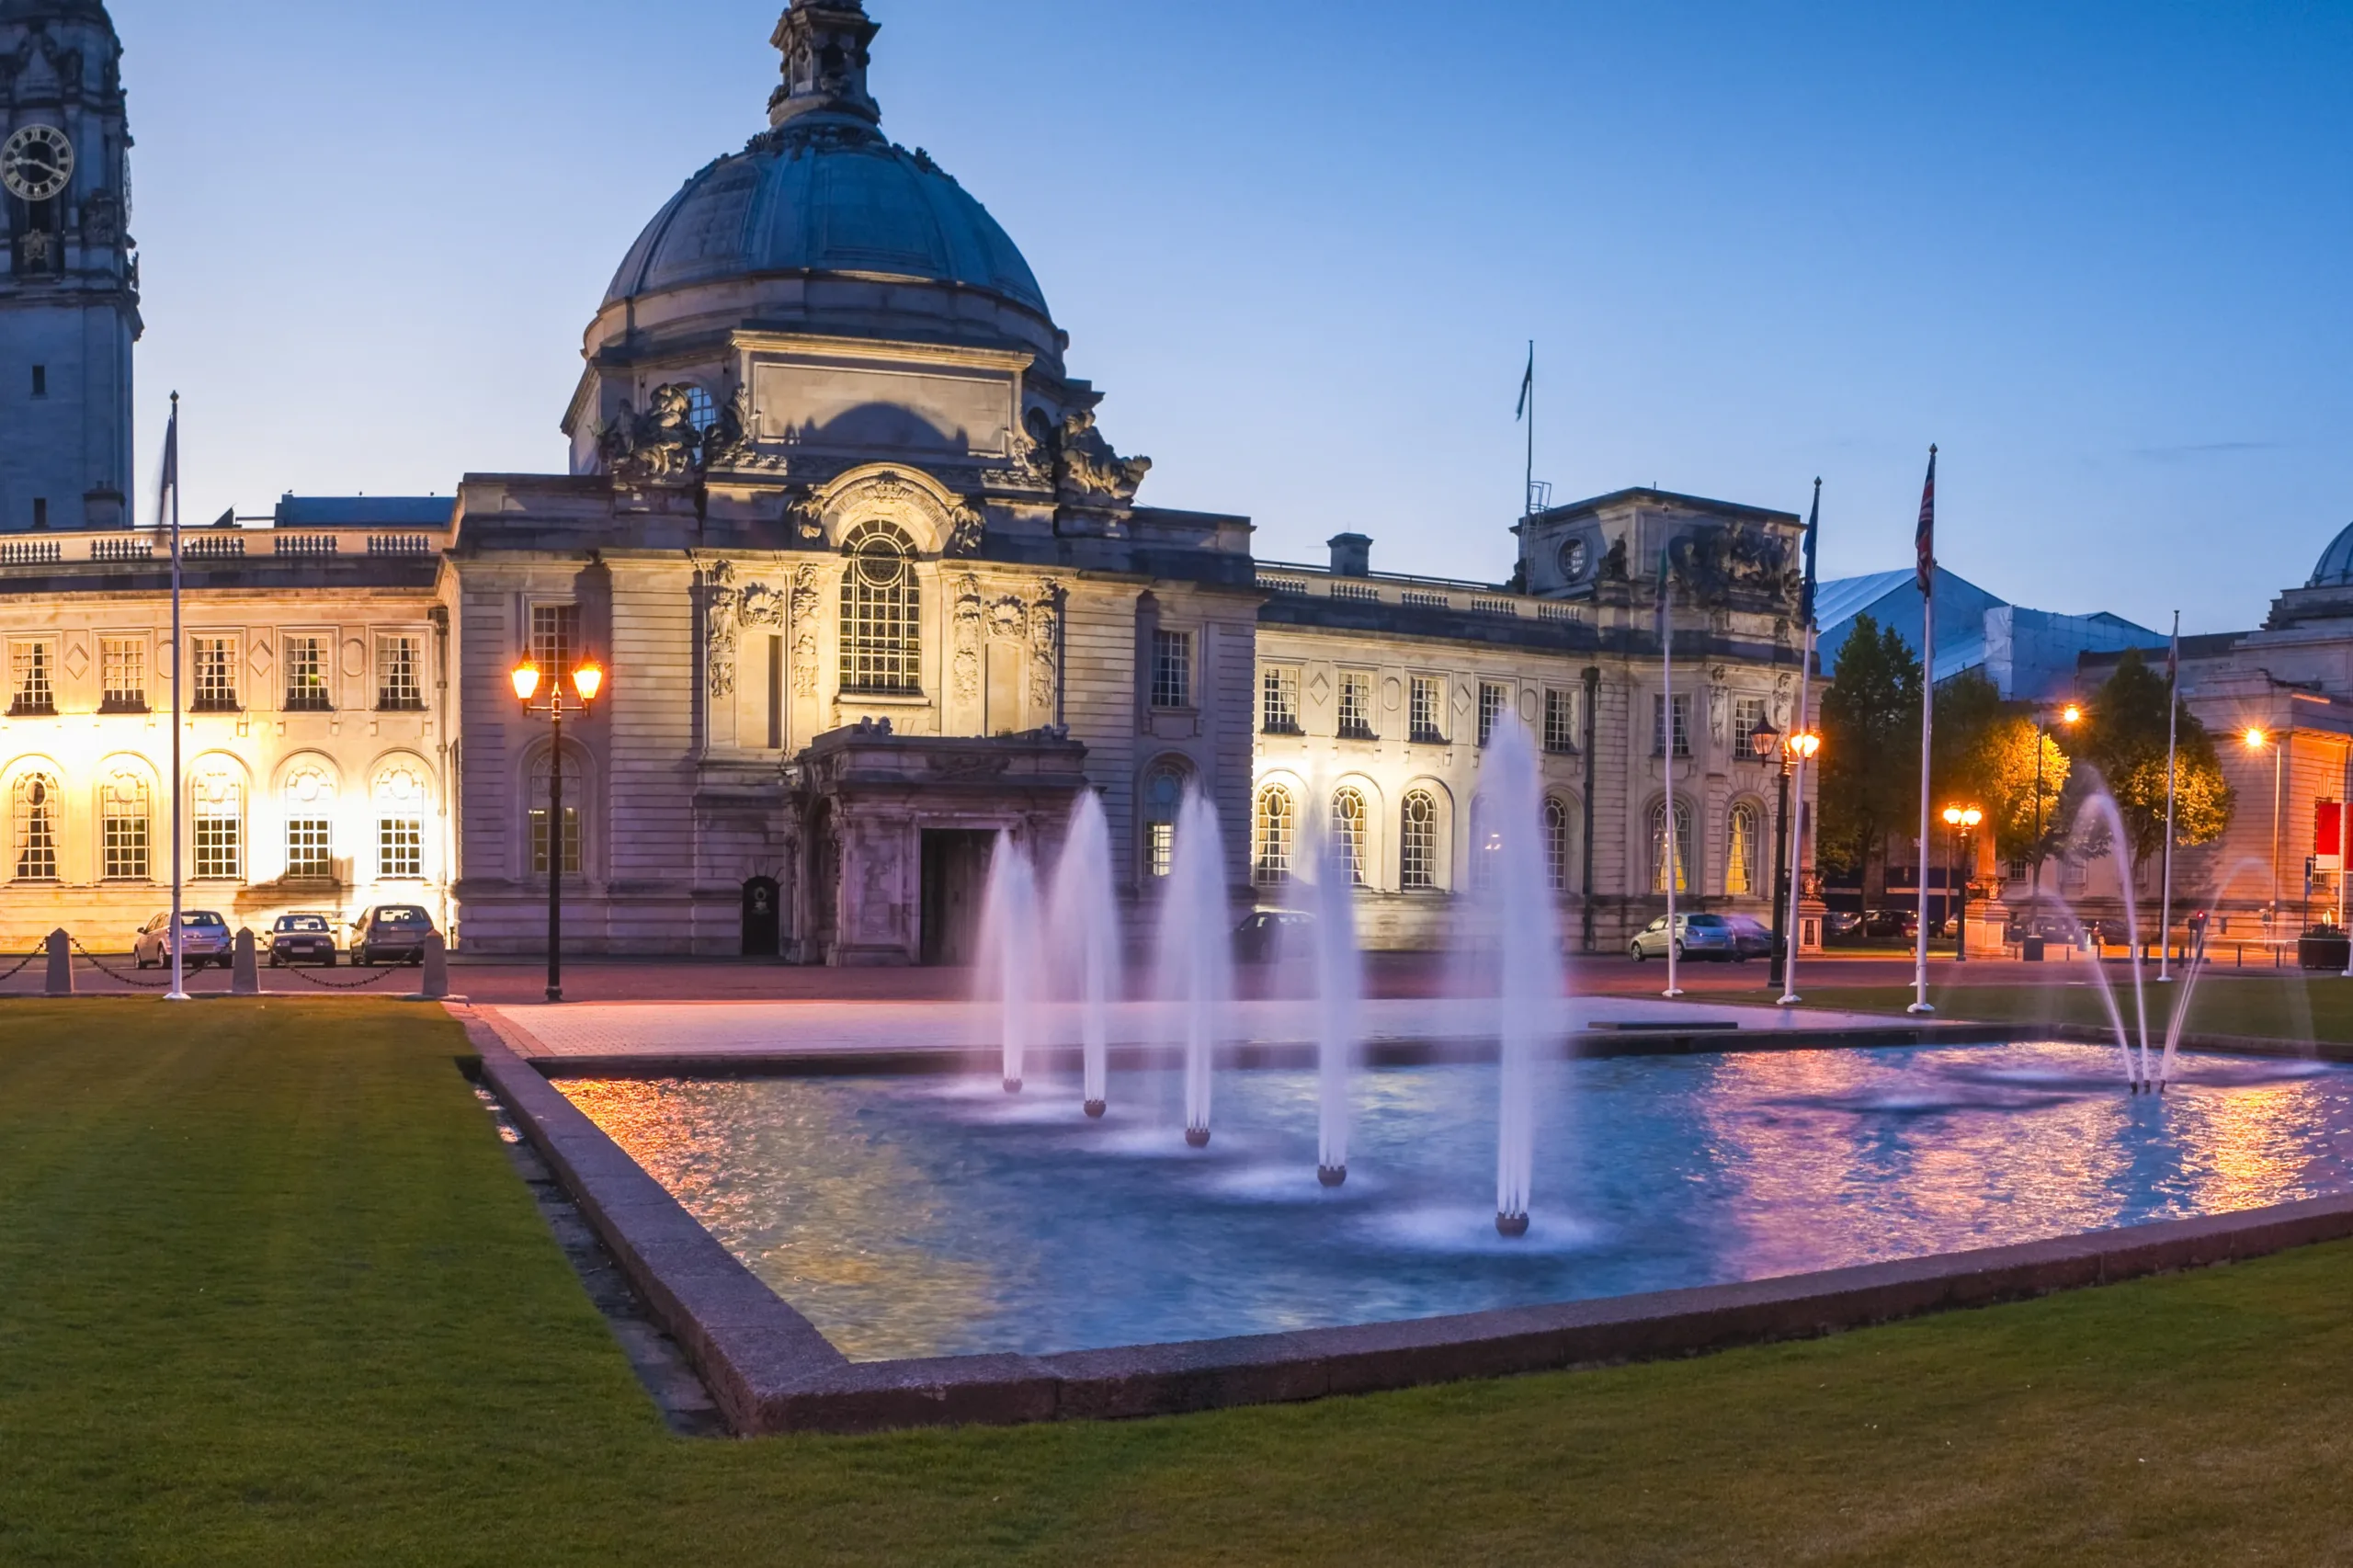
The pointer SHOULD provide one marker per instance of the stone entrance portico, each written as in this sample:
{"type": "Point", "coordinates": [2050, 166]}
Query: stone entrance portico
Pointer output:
{"type": "Point", "coordinates": [899, 829]}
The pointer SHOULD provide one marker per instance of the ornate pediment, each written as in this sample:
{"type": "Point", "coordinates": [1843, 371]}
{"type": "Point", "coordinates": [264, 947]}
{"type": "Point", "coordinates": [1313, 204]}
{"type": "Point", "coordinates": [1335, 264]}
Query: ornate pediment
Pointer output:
{"type": "Point", "coordinates": [937, 519]}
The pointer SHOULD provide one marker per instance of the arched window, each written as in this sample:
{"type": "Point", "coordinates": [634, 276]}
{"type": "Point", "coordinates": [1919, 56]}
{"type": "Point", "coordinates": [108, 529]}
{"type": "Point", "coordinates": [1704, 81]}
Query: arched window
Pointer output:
{"type": "Point", "coordinates": [1682, 846]}
{"type": "Point", "coordinates": [574, 796]}
{"type": "Point", "coordinates": [1349, 820]}
{"type": "Point", "coordinates": [1744, 847]}
{"type": "Point", "coordinates": [1417, 843]}
{"type": "Point", "coordinates": [1556, 842]}
{"type": "Point", "coordinates": [701, 413]}
{"type": "Point", "coordinates": [1278, 824]}
{"type": "Point", "coordinates": [1487, 844]}
{"type": "Point", "coordinates": [1164, 797]}
{"type": "Point", "coordinates": [36, 826]}
{"type": "Point", "coordinates": [124, 828]}
{"type": "Point", "coordinates": [218, 817]}
{"type": "Point", "coordinates": [400, 796]}
{"type": "Point", "coordinates": [310, 797]}
{"type": "Point", "coordinates": [881, 610]}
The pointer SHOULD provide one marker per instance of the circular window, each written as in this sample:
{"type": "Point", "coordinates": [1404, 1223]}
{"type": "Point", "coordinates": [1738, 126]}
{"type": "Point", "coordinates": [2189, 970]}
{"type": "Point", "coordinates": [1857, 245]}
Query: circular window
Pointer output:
{"type": "Point", "coordinates": [1575, 557]}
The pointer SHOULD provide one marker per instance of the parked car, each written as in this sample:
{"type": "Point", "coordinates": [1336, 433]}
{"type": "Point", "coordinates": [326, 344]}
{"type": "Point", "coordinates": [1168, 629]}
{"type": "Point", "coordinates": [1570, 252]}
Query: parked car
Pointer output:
{"type": "Point", "coordinates": [391, 933]}
{"type": "Point", "coordinates": [204, 939]}
{"type": "Point", "coordinates": [301, 938]}
{"type": "Point", "coordinates": [1270, 934]}
{"type": "Point", "coordinates": [1842, 926]}
{"type": "Point", "coordinates": [1752, 938]}
{"type": "Point", "coordinates": [1891, 922]}
{"type": "Point", "coordinates": [1696, 936]}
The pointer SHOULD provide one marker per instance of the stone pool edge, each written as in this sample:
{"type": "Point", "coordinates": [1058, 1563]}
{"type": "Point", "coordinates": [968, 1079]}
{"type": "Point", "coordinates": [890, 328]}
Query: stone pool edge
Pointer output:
{"type": "Point", "coordinates": [770, 1371]}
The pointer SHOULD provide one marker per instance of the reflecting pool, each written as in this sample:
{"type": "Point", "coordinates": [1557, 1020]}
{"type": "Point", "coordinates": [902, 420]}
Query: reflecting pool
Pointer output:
{"type": "Point", "coordinates": [915, 1216]}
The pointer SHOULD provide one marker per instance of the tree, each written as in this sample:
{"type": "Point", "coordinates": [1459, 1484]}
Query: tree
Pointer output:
{"type": "Point", "coordinates": [2125, 739]}
{"type": "Point", "coordinates": [2020, 831]}
{"type": "Point", "coordinates": [1871, 720]}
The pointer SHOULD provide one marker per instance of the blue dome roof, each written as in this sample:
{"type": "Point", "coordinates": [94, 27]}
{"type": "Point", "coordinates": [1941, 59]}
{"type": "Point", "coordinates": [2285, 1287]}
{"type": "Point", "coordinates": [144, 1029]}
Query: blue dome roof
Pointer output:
{"type": "Point", "coordinates": [2334, 569]}
{"type": "Point", "coordinates": [825, 204]}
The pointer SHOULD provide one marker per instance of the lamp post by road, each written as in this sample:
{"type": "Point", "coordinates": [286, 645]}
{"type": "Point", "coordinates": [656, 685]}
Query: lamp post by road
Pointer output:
{"type": "Point", "coordinates": [587, 680]}
{"type": "Point", "coordinates": [1962, 820]}
{"type": "Point", "coordinates": [1800, 747]}
{"type": "Point", "coordinates": [2070, 716]}
{"type": "Point", "coordinates": [2256, 738]}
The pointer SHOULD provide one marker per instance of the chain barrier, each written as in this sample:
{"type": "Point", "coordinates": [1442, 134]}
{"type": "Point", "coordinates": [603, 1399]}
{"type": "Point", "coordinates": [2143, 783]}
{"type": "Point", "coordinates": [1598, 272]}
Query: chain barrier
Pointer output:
{"type": "Point", "coordinates": [115, 975]}
{"type": "Point", "coordinates": [345, 985]}
{"type": "Point", "coordinates": [26, 963]}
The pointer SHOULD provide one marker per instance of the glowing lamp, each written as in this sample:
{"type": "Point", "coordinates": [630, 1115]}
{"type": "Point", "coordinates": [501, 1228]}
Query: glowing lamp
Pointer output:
{"type": "Point", "coordinates": [588, 680]}
{"type": "Point", "coordinates": [1763, 740]}
{"type": "Point", "coordinates": [2255, 738]}
{"type": "Point", "coordinates": [1952, 816]}
{"type": "Point", "coordinates": [1804, 745]}
{"type": "Point", "coordinates": [2071, 714]}
{"type": "Point", "coordinates": [526, 676]}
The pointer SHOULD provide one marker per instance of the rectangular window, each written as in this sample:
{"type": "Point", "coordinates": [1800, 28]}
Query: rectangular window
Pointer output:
{"type": "Point", "coordinates": [306, 674]}
{"type": "Point", "coordinates": [220, 847]}
{"type": "Point", "coordinates": [1494, 700]}
{"type": "Point", "coordinates": [30, 667]}
{"type": "Point", "coordinates": [216, 675]}
{"type": "Point", "coordinates": [1355, 706]}
{"type": "Point", "coordinates": [309, 848]}
{"type": "Point", "coordinates": [122, 675]}
{"type": "Point", "coordinates": [400, 847]}
{"type": "Point", "coordinates": [571, 840]}
{"type": "Point", "coordinates": [1682, 722]}
{"type": "Point", "coordinates": [1171, 669]}
{"type": "Point", "coordinates": [1160, 847]}
{"type": "Point", "coordinates": [1427, 716]}
{"type": "Point", "coordinates": [1747, 718]}
{"type": "Point", "coordinates": [555, 636]}
{"type": "Point", "coordinates": [1279, 714]}
{"type": "Point", "coordinates": [124, 843]}
{"type": "Point", "coordinates": [398, 687]}
{"type": "Point", "coordinates": [1561, 727]}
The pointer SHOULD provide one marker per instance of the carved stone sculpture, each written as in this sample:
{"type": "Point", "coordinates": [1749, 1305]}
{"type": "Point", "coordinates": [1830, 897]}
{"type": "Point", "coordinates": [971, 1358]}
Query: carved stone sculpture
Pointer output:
{"type": "Point", "coordinates": [965, 531]}
{"type": "Point", "coordinates": [728, 443]}
{"type": "Point", "coordinates": [1045, 642]}
{"type": "Point", "coordinates": [718, 651]}
{"type": "Point", "coordinates": [657, 445]}
{"type": "Point", "coordinates": [806, 602]}
{"type": "Point", "coordinates": [967, 637]}
{"type": "Point", "coordinates": [1736, 561]}
{"type": "Point", "coordinates": [1087, 472]}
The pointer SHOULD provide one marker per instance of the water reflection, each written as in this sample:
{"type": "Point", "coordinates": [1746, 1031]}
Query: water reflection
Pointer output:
{"type": "Point", "coordinates": [911, 1218]}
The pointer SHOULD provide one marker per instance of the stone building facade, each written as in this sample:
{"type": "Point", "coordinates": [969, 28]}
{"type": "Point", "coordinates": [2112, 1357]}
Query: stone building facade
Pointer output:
{"type": "Point", "coordinates": [870, 586]}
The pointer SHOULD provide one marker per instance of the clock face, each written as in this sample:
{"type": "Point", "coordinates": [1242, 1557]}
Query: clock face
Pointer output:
{"type": "Point", "coordinates": [1574, 558]}
{"type": "Point", "coordinates": [35, 163]}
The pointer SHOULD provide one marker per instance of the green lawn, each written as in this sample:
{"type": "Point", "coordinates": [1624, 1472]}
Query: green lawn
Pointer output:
{"type": "Point", "coordinates": [271, 1292]}
{"type": "Point", "coordinates": [2287, 1006]}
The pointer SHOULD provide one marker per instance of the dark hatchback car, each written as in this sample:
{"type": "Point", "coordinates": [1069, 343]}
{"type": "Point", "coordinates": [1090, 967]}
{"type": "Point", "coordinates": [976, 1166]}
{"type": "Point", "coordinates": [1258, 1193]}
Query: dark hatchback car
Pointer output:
{"type": "Point", "coordinates": [1268, 935]}
{"type": "Point", "coordinates": [301, 938]}
{"type": "Point", "coordinates": [391, 933]}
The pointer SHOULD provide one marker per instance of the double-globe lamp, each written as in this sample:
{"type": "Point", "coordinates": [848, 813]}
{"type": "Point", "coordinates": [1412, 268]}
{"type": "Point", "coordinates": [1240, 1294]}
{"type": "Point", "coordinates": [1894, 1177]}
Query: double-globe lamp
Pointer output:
{"type": "Point", "coordinates": [587, 680]}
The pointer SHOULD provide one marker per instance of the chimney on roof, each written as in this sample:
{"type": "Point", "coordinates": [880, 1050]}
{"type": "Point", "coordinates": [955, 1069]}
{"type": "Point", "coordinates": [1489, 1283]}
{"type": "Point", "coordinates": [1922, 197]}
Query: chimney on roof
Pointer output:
{"type": "Point", "coordinates": [1351, 555]}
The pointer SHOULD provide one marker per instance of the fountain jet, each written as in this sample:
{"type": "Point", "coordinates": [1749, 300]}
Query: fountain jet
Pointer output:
{"type": "Point", "coordinates": [1339, 993]}
{"type": "Point", "coordinates": [1197, 952]}
{"type": "Point", "coordinates": [1086, 926]}
{"type": "Point", "coordinates": [1009, 952]}
{"type": "Point", "coordinates": [1510, 875]}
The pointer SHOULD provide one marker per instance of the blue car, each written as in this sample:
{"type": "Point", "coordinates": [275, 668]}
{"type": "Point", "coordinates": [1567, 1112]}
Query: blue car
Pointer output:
{"type": "Point", "coordinates": [1695, 936]}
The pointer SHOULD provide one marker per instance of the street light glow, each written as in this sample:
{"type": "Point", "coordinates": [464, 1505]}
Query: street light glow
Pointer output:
{"type": "Point", "coordinates": [1803, 745]}
{"type": "Point", "coordinates": [2255, 739]}
{"type": "Point", "coordinates": [2071, 714]}
{"type": "Point", "coordinates": [526, 676]}
{"type": "Point", "coordinates": [588, 679]}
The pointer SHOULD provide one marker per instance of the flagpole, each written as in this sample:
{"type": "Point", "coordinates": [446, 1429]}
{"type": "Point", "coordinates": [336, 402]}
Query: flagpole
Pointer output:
{"type": "Point", "coordinates": [1790, 998]}
{"type": "Point", "coordinates": [2173, 737]}
{"type": "Point", "coordinates": [178, 992]}
{"type": "Point", "coordinates": [1527, 490]}
{"type": "Point", "coordinates": [1666, 755]}
{"type": "Point", "coordinates": [1927, 726]}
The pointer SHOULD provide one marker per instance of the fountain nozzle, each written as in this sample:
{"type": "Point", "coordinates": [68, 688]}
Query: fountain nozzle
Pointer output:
{"type": "Point", "coordinates": [1197, 1137]}
{"type": "Point", "coordinates": [1013, 1085]}
{"type": "Point", "coordinates": [1094, 1108]}
{"type": "Point", "coordinates": [1331, 1175]}
{"type": "Point", "coordinates": [1512, 1225]}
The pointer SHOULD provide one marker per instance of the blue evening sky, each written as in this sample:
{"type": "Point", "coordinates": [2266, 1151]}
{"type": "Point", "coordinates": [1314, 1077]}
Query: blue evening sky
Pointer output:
{"type": "Point", "coordinates": [2098, 252]}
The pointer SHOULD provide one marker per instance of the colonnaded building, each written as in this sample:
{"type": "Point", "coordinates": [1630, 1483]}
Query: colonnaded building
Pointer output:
{"type": "Point", "coordinates": [871, 583]}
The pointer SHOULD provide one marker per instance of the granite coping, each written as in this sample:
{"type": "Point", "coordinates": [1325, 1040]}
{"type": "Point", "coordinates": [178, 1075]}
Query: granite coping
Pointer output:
{"type": "Point", "coordinates": [770, 1371]}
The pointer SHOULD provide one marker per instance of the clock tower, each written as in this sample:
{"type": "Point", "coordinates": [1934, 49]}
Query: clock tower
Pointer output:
{"type": "Point", "coordinates": [69, 284]}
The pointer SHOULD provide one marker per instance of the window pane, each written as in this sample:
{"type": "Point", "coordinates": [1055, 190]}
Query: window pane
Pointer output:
{"type": "Point", "coordinates": [36, 828]}
{"type": "Point", "coordinates": [306, 675]}
{"type": "Point", "coordinates": [1425, 716]}
{"type": "Point", "coordinates": [400, 847]}
{"type": "Point", "coordinates": [397, 686]}
{"type": "Point", "coordinates": [1417, 843]}
{"type": "Point", "coordinates": [30, 677]}
{"type": "Point", "coordinates": [1556, 844]}
{"type": "Point", "coordinates": [1355, 706]}
{"type": "Point", "coordinates": [309, 850]}
{"type": "Point", "coordinates": [216, 674]}
{"type": "Point", "coordinates": [1280, 716]}
{"type": "Point", "coordinates": [1560, 720]}
{"type": "Point", "coordinates": [1348, 822]}
{"type": "Point", "coordinates": [571, 841]}
{"type": "Point", "coordinates": [555, 634]}
{"type": "Point", "coordinates": [1171, 669]}
{"type": "Point", "coordinates": [122, 673]}
{"type": "Point", "coordinates": [1272, 864]}
{"type": "Point", "coordinates": [881, 605]}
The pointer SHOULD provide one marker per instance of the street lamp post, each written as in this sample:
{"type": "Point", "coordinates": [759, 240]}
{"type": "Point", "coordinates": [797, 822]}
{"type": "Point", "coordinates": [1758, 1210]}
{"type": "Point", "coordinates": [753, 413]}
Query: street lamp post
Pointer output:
{"type": "Point", "coordinates": [1795, 748]}
{"type": "Point", "coordinates": [1962, 820]}
{"type": "Point", "coordinates": [587, 680]}
{"type": "Point", "coordinates": [2070, 716]}
{"type": "Point", "coordinates": [2257, 739]}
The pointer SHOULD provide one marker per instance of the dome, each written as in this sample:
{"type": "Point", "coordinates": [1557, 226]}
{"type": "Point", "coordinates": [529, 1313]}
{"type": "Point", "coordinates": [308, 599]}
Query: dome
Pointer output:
{"type": "Point", "coordinates": [2334, 568]}
{"type": "Point", "coordinates": [842, 204]}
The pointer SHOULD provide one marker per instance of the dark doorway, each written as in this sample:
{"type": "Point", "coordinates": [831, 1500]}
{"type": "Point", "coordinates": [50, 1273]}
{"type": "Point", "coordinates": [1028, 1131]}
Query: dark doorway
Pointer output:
{"type": "Point", "coordinates": [763, 924]}
{"type": "Point", "coordinates": [955, 879]}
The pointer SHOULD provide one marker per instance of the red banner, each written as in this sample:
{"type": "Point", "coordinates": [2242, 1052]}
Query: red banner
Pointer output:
{"type": "Point", "coordinates": [2328, 833]}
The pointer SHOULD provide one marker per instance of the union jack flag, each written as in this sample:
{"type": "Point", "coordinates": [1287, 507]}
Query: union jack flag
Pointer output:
{"type": "Point", "coordinates": [1925, 540]}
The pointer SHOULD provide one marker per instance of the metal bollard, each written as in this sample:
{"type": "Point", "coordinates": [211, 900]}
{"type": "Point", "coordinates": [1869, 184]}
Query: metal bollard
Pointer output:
{"type": "Point", "coordinates": [244, 977]}
{"type": "Point", "coordinates": [437, 968]}
{"type": "Point", "coordinates": [61, 965]}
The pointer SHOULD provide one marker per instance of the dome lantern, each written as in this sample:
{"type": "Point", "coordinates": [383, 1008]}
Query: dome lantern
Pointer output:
{"type": "Point", "coordinates": [826, 45]}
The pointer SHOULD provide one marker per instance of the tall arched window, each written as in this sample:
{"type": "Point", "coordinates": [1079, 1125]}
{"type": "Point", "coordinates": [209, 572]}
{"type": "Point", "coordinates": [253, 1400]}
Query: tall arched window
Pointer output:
{"type": "Point", "coordinates": [400, 796]}
{"type": "Point", "coordinates": [1278, 826]}
{"type": "Point", "coordinates": [310, 802]}
{"type": "Point", "coordinates": [1417, 843]}
{"type": "Point", "coordinates": [574, 797]}
{"type": "Point", "coordinates": [36, 828]}
{"type": "Point", "coordinates": [1164, 797]}
{"type": "Point", "coordinates": [1349, 820]}
{"type": "Point", "coordinates": [1744, 845]}
{"type": "Point", "coordinates": [881, 607]}
{"type": "Point", "coordinates": [1556, 842]}
{"type": "Point", "coordinates": [1682, 846]}
{"type": "Point", "coordinates": [124, 828]}
{"type": "Point", "coordinates": [218, 817]}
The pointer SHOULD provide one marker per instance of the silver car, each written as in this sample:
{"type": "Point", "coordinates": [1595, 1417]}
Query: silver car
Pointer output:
{"type": "Point", "coordinates": [205, 939]}
{"type": "Point", "coordinates": [1695, 936]}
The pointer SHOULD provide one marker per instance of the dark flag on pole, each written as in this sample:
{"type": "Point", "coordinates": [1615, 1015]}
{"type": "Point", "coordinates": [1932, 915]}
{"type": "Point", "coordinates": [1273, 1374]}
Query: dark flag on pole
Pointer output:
{"type": "Point", "coordinates": [1925, 540]}
{"type": "Point", "coordinates": [171, 469]}
{"type": "Point", "coordinates": [1812, 537]}
{"type": "Point", "coordinates": [1665, 570]}
{"type": "Point", "coordinates": [1526, 386]}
